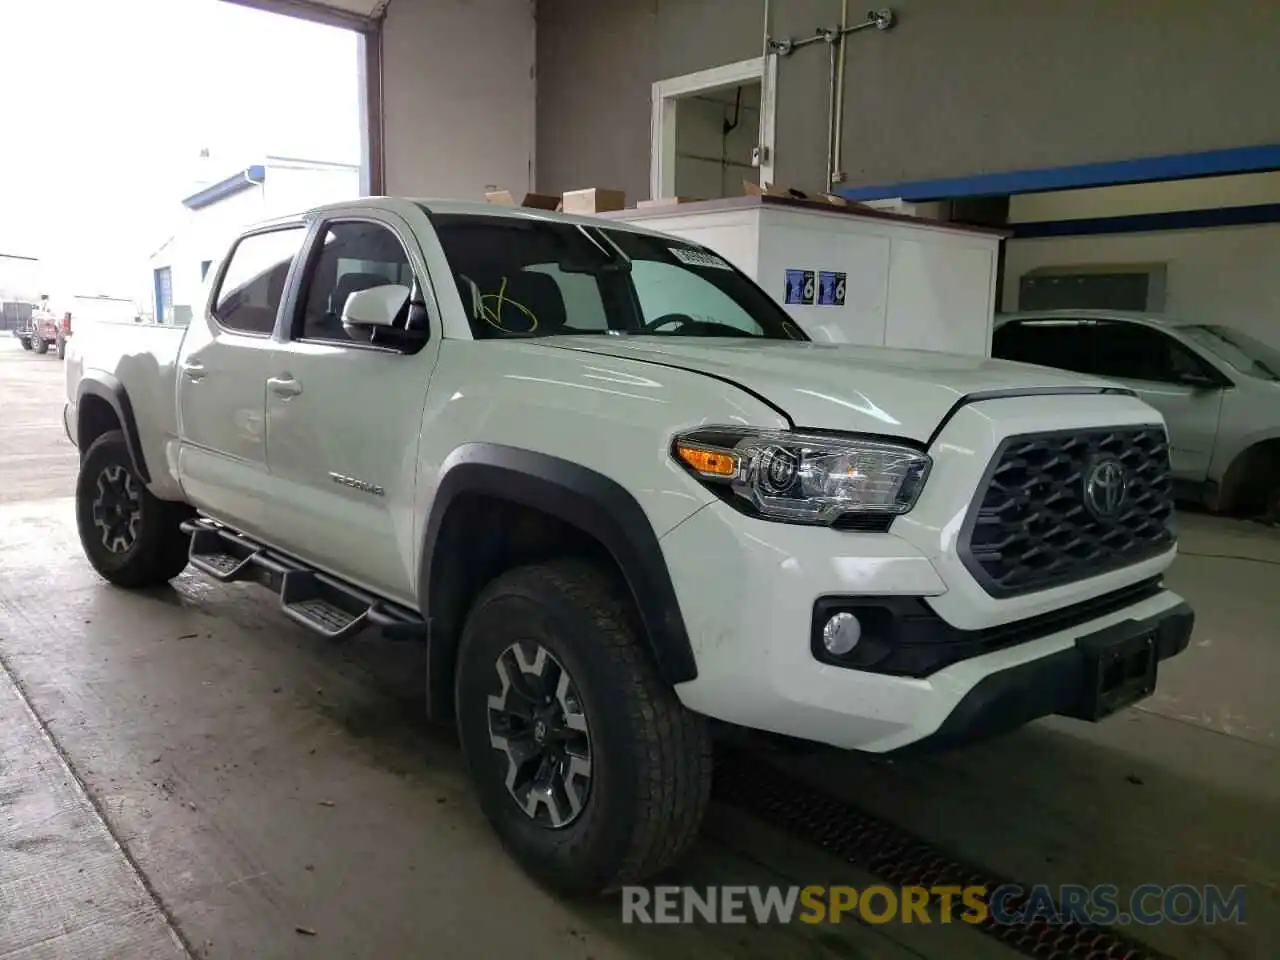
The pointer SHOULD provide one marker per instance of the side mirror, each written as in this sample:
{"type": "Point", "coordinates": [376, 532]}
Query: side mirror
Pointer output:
{"type": "Point", "coordinates": [1199, 381]}
{"type": "Point", "coordinates": [376, 306]}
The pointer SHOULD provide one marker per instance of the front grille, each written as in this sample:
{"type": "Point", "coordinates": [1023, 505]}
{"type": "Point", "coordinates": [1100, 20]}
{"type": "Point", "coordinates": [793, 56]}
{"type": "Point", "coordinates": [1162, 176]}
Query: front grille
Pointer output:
{"type": "Point", "coordinates": [1035, 525]}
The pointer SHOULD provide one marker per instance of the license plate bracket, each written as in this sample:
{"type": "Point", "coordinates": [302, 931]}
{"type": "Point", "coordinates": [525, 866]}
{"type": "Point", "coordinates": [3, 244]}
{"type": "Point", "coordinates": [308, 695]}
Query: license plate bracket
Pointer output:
{"type": "Point", "coordinates": [1119, 669]}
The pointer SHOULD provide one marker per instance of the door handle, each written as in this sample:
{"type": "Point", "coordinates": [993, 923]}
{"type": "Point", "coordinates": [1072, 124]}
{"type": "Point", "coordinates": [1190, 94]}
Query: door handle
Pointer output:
{"type": "Point", "coordinates": [194, 370]}
{"type": "Point", "coordinates": [284, 387]}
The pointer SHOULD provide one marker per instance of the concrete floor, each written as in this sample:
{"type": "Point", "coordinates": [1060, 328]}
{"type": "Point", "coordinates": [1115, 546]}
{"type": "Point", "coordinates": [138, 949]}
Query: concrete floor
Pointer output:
{"type": "Point", "coordinates": [187, 773]}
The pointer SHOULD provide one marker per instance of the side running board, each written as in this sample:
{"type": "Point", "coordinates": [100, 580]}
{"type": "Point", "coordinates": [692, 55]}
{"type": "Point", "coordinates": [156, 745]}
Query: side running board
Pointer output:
{"type": "Point", "coordinates": [327, 605]}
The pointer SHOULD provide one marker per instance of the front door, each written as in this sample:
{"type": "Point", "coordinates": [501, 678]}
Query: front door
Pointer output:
{"type": "Point", "coordinates": [343, 416]}
{"type": "Point", "coordinates": [222, 372]}
{"type": "Point", "coordinates": [1175, 381]}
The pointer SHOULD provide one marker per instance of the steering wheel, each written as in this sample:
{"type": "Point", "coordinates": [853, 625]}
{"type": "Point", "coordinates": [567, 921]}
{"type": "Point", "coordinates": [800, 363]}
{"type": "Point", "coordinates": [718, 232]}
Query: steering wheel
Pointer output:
{"type": "Point", "coordinates": [654, 325]}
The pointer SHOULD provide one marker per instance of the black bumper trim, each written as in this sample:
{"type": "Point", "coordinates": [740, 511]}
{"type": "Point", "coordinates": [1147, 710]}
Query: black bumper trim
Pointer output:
{"type": "Point", "coordinates": [1055, 684]}
{"type": "Point", "coordinates": [904, 637]}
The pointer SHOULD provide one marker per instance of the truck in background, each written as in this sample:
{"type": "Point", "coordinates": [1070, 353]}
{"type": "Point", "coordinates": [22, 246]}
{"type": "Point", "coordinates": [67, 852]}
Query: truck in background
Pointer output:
{"type": "Point", "coordinates": [50, 327]}
{"type": "Point", "coordinates": [44, 329]}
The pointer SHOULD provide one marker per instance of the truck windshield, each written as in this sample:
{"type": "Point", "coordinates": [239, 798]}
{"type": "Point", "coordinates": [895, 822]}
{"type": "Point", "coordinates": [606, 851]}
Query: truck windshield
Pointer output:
{"type": "Point", "coordinates": [522, 277]}
{"type": "Point", "coordinates": [1238, 349]}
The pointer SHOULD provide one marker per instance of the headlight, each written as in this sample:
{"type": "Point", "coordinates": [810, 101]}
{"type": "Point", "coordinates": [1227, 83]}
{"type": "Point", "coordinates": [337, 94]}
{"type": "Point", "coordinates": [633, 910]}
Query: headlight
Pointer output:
{"type": "Point", "coordinates": [806, 478]}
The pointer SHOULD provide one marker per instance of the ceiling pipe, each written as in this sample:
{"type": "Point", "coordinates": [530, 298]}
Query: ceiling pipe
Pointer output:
{"type": "Point", "coordinates": [835, 53]}
{"type": "Point", "coordinates": [834, 37]}
{"type": "Point", "coordinates": [759, 156]}
{"type": "Point", "coordinates": [835, 169]}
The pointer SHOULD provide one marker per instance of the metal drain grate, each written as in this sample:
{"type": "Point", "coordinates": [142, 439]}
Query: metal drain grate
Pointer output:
{"type": "Point", "coordinates": [899, 858]}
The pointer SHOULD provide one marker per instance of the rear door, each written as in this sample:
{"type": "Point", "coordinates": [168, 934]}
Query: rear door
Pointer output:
{"type": "Point", "coordinates": [343, 416]}
{"type": "Point", "coordinates": [221, 376]}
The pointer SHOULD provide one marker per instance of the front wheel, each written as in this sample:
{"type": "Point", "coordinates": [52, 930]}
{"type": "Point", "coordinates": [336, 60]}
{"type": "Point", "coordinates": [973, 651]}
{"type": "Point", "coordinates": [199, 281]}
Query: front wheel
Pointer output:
{"type": "Point", "coordinates": [41, 346]}
{"type": "Point", "coordinates": [130, 537]}
{"type": "Point", "coordinates": [592, 772]}
{"type": "Point", "coordinates": [26, 342]}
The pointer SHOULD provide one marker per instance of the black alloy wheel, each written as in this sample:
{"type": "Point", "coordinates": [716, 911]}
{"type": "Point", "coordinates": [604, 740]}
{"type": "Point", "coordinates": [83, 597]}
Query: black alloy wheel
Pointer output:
{"type": "Point", "coordinates": [540, 735]}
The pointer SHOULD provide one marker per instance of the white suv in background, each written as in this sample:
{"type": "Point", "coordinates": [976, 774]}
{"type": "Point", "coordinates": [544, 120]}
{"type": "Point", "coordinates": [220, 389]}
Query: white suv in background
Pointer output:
{"type": "Point", "coordinates": [1218, 388]}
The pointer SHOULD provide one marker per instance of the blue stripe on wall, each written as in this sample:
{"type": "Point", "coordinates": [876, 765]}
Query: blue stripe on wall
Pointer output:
{"type": "Point", "coordinates": [1142, 170]}
{"type": "Point", "coordinates": [1147, 222]}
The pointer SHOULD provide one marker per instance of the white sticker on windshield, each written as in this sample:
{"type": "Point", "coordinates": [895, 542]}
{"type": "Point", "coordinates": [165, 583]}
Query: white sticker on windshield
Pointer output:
{"type": "Point", "coordinates": [698, 258]}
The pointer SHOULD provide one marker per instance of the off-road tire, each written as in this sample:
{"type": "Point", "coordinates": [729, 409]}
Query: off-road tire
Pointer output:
{"type": "Point", "coordinates": [26, 342]}
{"type": "Point", "coordinates": [651, 757]}
{"type": "Point", "coordinates": [39, 345]}
{"type": "Point", "coordinates": [160, 550]}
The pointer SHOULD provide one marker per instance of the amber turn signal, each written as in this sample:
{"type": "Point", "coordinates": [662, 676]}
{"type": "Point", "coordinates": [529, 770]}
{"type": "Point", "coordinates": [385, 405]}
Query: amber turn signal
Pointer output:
{"type": "Point", "coordinates": [709, 463]}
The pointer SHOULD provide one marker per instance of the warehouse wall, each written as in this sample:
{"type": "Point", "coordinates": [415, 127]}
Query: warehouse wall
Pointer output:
{"type": "Point", "coordinates": [1136, 199]}
{"type": "Point", "coordinates": [1227, 274]}
{"type": "Point", "coordinates": [711, 162]}
{"type": "Point", "coordinates": [458, 96]}
{"type": "Point", "coordinates": [958, 87]}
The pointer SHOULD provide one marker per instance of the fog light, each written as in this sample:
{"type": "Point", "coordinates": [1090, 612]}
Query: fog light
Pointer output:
{"type": "Point", "coordinates": [841, 633]}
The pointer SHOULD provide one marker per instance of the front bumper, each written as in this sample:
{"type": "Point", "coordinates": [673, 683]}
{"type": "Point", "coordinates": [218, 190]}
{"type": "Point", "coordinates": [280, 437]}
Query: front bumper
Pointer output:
{"type": "Point", "coordinates": [748, 591]}
{"type": "Point", "coordinates": [1061, 683]}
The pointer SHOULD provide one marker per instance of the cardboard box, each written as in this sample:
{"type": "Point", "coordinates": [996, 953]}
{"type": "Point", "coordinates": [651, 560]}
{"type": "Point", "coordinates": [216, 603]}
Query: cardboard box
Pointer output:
{"type": "Point", "coordinates": [593, 200]}
{"type": "Point", "coordinates": [537, 201]}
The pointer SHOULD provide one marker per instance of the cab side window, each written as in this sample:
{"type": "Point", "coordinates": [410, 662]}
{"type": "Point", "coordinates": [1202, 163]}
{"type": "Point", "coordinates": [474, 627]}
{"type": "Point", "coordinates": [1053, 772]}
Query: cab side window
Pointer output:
{"type": "Point", "coordinates": [354, 255]}
{"type": "Point", "coordinates": [252, 286]}
{"type": "Point", "coordinates": [1104, 348]}
{"type": "Point", "coordinates": [1139, 353]}
{"type": "Point", "coordinates": [1064, 344]}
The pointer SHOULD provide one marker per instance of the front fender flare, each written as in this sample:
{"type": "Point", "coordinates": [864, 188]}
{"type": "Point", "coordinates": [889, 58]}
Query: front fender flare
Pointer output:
{"type": "Point", "coordinates": [595, 504]}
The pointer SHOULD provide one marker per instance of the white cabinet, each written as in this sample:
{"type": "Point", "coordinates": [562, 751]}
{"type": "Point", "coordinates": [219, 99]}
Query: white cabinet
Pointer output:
{"type": "Point", "coordinates": [864, 277]}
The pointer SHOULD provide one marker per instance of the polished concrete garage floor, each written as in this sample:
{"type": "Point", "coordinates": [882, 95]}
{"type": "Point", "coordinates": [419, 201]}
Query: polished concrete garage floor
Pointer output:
{"type": "Point", "coordinates": [187, 773]}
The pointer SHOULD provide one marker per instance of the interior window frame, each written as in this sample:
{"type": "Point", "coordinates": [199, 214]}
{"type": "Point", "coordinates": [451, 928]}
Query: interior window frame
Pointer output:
{"type": "Point", "coordinates": [215, 288]}
{"type": "Point", "coordinates": [293, 329]}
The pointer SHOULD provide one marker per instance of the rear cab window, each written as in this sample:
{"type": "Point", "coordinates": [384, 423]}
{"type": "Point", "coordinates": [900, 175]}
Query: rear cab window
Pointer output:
{"type": "Point", "coordinates": [252, 284]}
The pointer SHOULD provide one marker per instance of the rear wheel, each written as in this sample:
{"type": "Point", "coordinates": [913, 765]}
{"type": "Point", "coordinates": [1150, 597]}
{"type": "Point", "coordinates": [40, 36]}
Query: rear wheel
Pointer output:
{"type": "Point", "coordinates": [41, 346]}
{"type": "Point", "coordinates": [26, 342]}
{"type": "Point", "coordinates": [130, 537]}
{"type": "Point", "coordinates": [592, 772]}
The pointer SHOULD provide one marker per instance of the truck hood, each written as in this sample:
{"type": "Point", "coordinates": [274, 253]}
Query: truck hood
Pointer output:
{"type": "Point", "coordinates": [903, 393]}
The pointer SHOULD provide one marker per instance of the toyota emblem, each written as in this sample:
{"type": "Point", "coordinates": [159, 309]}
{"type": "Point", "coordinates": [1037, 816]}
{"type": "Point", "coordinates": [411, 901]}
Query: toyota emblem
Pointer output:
{"type": "Point", "coordinates": [1105, 487]}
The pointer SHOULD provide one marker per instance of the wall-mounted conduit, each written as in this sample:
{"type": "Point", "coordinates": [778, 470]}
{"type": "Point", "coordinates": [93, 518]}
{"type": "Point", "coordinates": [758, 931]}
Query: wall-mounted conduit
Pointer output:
{"type": "Point", "coordinates": [834, 38]}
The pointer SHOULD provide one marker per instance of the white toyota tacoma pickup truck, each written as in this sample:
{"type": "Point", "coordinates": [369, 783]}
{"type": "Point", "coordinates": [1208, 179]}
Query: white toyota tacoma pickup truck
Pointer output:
{"type": "Point", "coordinates": [619, 495]}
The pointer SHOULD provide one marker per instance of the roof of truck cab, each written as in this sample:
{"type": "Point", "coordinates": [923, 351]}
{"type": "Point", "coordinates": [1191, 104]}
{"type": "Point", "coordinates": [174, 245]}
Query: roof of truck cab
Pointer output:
{"type": "Point", "coordinates": [475, 209]}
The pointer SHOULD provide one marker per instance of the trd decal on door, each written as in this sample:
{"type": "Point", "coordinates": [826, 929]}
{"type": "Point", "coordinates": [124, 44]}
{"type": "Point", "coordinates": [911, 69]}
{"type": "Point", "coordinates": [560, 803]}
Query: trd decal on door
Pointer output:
{"type": "Point", "coordinates": [357, 484]}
